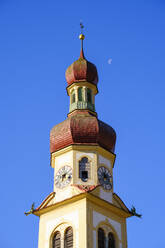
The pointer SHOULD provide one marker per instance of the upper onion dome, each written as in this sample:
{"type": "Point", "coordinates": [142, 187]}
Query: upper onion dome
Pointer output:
{"type": "Point", "coordinates": [81, 70]}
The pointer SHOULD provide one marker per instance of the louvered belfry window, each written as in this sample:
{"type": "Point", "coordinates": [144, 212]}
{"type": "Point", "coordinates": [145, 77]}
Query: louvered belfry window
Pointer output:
{"type": "Point", "coordinates": [57, 240]}
{"type": "Point", "coordinates": [89, 95]}
{"type": "Point", "coordinates": [84, 169]}
{"type": "Point", "coordinates": [111, 240]}
{"type": "Point", "coordinates": [80, 96]}
{"type": "Point", "coordinates": [68, 238]}
{"type": "Point", "coordinates": [101, 238]}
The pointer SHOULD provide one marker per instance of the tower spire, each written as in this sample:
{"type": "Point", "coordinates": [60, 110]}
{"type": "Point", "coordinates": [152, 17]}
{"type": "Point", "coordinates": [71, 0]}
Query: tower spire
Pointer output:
{"type": "Point", "coordinates": [81, 37]}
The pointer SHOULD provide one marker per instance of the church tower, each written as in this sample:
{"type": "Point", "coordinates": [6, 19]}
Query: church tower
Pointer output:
{"type": "Point", "coordinates": [82, 211]}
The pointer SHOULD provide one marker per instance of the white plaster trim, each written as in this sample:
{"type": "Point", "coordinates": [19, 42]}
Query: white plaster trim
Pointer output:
{"type": "Point", "coordinates": [84, 154]}
{"type": "Point", "coordinates": [103, 160]}
{"type": "Point", "coordinates": [107, 196]}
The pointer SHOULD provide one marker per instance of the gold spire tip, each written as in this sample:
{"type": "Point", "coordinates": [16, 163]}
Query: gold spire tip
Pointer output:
{"type": "Point", "coordinates": [81, 37]}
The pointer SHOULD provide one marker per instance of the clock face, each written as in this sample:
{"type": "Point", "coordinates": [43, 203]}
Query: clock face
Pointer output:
{"type": "Point", "coordinates": [63, 176]}
{"type": "Point", "coordinates": [105, 178]}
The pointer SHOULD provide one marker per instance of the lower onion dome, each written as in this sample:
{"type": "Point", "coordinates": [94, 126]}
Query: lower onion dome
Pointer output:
{"type": "Point", "coordinates": [82, 128]}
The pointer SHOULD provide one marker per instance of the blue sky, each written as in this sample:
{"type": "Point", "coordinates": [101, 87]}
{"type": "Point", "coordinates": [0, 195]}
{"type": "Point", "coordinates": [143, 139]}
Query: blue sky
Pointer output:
{"type": "Point", "coordinates": [38, 41]}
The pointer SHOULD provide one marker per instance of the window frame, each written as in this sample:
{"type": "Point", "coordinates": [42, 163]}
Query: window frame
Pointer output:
{"type": "Point", "coordinates": [73, 96]}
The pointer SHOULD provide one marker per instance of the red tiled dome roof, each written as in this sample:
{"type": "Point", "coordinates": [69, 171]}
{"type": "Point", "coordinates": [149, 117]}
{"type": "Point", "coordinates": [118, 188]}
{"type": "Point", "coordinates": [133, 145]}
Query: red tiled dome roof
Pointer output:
{"type": "Point", "coordinates": [82, 128]}
{"type": "Point", "coordinates": [81, 70]}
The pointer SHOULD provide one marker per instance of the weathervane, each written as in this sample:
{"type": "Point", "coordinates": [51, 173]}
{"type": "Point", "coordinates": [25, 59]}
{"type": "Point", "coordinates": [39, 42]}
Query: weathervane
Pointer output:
{"type": "Point", "coordinates": [81, 36]}
{"type": "Point", "coordinates": [81, 26]}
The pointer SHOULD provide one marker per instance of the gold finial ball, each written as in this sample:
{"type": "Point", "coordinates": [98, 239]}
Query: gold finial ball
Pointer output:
{"type": "Point", "coordinates": [81, 37]}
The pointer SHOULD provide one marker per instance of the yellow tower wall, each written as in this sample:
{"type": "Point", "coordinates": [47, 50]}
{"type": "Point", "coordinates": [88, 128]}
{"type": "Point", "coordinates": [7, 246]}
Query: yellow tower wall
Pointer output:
{"type": "Point", "coordinates": [72, 214]}
{"type": "Point", "coordinates": [85, 214]}
{"type": "Point", "coordinates": [99, 216]}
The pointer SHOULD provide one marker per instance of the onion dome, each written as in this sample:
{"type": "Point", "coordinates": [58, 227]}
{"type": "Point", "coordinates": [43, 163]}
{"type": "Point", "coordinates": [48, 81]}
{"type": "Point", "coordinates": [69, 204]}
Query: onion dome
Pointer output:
{"type": "Point", "coordinates": [81, 69]}
{"type": "Point", "coordinates": [82, 128]}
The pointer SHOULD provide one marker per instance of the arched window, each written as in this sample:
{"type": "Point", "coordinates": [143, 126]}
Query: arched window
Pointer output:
{"type": "Point", "coordinates": [111, 240]}
{"type": "Point", "coordinates": [73, 98]}
{"type": "Point", "coordinates": [68, 238]}
{"type": "Point", "coordinates": [89, 95]}
{"type": "Point", "coordinates": [84, 169]}
{"type": "Point", "coordinates": [80, 97]}
{"type": "Point", "coordinates": [101, 238]}
{"type": "Point", "coordinates": [57, 240]}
